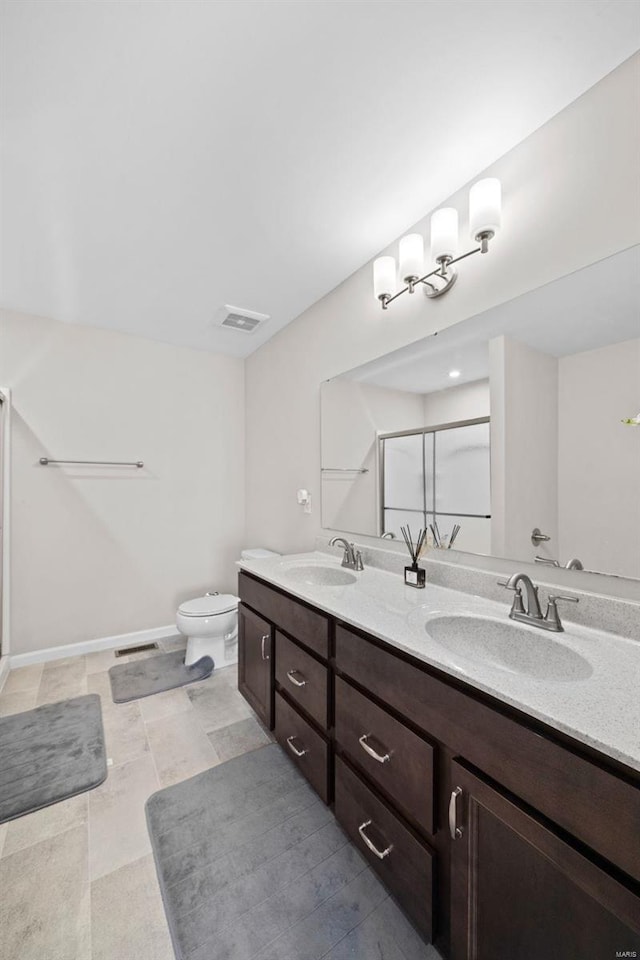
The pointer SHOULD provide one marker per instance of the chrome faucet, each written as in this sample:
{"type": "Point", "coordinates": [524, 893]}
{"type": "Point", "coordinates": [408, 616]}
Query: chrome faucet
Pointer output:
{"type": "Point", "coordinates": [532, 613]}
{"type": "Point", "coordinates": [351, 558]}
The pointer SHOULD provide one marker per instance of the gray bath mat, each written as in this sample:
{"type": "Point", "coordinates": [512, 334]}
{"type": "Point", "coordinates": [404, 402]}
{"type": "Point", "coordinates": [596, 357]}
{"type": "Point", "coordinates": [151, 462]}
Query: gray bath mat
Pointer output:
{"type": "Point", "coordinates": [143, 678]}
{"type": "Point", "coordinates": [49, 754]}
{"type": "Point", "coordinates": [252, 864]}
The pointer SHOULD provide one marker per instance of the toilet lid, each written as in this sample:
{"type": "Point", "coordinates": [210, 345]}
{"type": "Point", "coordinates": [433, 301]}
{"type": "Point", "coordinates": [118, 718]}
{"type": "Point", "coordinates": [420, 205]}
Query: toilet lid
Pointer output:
{"type": "Point", "coordinates": [209, 606]}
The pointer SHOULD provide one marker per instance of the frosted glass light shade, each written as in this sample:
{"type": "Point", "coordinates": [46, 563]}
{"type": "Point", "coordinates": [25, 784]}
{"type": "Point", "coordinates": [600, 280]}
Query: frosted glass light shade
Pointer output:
{"type": "Point", "coordinates": [411, 256]}
{"type": "Point", "coordinates": [485, 207]}
{"type": "Point", "coordinates": [444, 233]}
{"type": "Point", "coordinates": [384, 277]}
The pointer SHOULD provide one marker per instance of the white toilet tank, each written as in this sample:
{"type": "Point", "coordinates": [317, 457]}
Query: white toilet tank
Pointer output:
{"type": "Point", "coordinates": [257, 553]}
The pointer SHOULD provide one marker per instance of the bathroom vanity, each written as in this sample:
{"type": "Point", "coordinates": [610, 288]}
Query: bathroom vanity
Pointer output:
{"type": "Point", "coordinates": [499, 833]}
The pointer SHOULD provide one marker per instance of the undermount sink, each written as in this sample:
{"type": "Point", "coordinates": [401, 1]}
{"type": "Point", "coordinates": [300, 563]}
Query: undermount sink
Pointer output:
{"type": "Point", "coordinates": [319, 575]}
{"type": "Point", "coordinates": [508, 647]}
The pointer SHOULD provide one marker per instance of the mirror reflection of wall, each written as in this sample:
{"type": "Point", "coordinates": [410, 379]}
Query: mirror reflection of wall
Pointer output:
{"type": "Point", "coordinates": [562, 460]}
{"type": "Point", "coordinates": [556, 371]}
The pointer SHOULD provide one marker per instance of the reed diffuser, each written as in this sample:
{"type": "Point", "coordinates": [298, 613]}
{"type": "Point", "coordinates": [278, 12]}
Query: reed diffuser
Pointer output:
{"type": "Point", "coordinates": [414, 576]}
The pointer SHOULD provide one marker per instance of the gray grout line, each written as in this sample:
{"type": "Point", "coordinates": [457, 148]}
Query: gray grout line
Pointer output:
{"type": "Point", "coordinates": [153, 756]}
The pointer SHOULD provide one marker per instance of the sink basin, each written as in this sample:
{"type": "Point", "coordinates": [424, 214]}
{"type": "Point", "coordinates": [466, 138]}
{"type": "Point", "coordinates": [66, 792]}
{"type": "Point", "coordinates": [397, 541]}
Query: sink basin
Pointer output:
{"type": "Point", "coordinates": [319, 575]}
{"type": "Point", "coordinates": [501, 644]}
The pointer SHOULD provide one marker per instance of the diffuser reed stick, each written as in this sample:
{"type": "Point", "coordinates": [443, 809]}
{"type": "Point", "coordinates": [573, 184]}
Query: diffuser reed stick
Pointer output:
{"type": "Point", "coordinates": [414, 576]}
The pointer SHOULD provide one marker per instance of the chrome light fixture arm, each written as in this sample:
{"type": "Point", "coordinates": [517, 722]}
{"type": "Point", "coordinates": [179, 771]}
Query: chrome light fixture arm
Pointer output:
{"type": "Point", "coordinates": [444, 271]}
{"type": "Point", "coordinates": [485, 217]}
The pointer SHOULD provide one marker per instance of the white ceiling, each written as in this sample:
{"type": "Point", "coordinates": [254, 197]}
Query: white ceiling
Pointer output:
{"type": "Point", "coordinates": [162, 159]}
{"type": "Point", "coordinates": [590, 308]}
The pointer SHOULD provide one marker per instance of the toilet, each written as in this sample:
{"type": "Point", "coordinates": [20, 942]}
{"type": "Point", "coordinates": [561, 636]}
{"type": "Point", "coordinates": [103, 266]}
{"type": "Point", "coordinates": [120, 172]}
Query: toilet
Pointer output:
{"type": "Point", "coordinates": [210, 623]}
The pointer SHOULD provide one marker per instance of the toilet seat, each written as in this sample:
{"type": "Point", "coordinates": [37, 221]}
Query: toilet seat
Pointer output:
{"type": "Point", "coordinates": [209, 606]}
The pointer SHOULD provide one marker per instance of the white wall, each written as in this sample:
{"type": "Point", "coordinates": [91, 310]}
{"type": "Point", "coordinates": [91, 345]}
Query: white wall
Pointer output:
{"type": "Point", "coordinates": [599, 459]}
{"type": "Point", "coordinates": [104, 551]}
{"type": "Point", "coordinates": [524, 449]}
{"type": "Point", "coordinates": [464, 402]}
{"type": "Point", "coordinates": [571, 197]}
{"type": "Point", "coordinates": [353, 414]}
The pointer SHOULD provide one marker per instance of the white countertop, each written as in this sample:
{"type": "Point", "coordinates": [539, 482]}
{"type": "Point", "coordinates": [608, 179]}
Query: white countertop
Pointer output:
{"type": "Point", "coordinates": [597, 703]}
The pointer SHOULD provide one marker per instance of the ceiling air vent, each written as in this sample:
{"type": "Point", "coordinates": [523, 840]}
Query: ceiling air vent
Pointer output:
{"type": "Point", "coordinates": [236, 318]}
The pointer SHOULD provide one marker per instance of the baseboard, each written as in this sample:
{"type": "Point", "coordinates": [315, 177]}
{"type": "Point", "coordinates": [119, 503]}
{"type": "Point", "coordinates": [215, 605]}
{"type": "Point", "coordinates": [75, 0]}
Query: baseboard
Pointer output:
{"type": "Point", "coordinates": [90, 646]}
{"type": "Point", "coordinates": [4, 671]}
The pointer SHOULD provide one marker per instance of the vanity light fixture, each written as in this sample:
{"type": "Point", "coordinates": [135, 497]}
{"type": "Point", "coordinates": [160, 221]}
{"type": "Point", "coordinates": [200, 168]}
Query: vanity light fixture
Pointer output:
{"type": "Point", "coordinates": [485, 207]}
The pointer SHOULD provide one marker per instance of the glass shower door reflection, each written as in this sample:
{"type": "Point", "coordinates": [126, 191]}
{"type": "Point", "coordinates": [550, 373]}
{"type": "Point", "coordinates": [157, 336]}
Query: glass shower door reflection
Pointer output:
{"type": "Point", "coordinates": [403, 483]}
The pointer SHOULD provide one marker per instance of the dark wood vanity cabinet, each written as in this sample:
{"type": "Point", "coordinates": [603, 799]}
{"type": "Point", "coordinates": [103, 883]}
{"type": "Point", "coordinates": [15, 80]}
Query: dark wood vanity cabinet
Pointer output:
{"type": "Point", "coordinates": [304, 679]}
{"type": "Point", "coordinates": [397, 855]}
{"type": "Point", "coordinates": [255, 662]}
{"type": "Point", "coordinates": [520, 890]}
{"type": "Point", "coordinates": [501, 839]}
{"type": "Point", "coordinates": [397, 761]}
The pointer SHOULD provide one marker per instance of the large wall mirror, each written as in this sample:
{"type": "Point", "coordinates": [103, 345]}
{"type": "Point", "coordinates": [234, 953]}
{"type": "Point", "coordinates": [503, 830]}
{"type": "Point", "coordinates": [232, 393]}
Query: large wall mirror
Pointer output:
{"type": "Point", "coordinates": [504, 431]}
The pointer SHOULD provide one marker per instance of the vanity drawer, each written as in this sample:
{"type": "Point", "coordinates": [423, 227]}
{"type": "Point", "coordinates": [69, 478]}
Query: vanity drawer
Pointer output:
{"type": "Point", "coordinates": [308, 750]}
{"type": "Point", "coordinates": [307, 626]}
{"type": "Point", "coordinates": [403, 762]}
{"type": "Point", "coordinates": [404, 865]}
{"type": "Point", "coordinates": [579, 795]}
{"type": "Point", "coordinates": [304, 679]}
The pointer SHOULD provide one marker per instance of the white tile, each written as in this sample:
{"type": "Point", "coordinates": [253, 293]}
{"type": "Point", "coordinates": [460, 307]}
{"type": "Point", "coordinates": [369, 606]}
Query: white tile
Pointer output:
{"type": "Point", "coordinates": [17, 702]}
{"type": "Point", "coordinates": [43, 824]}
{"type": "Point", "coordinates": [127, 916]}
{"type": "Point", "coordinates": [62, 684]}
{"type": "Point", "coordinates": [44, 907]}
{"type": "Point", "coordinates": [173, 643]}
{"type": "Point", "coordinates": [102, 660]}
{"type": "Point", "coordinates": [218, 705]}
{"type": "Point", "coordinates": [117, 826]}
{"type": "Point", "coordinates": [239, 738]}
{"type": "Point", "coordinates": [75, 666]}
{"type": "Point", "coordinates": [99, 683]}
{"type": "Point", "coordinates": [124, 731]}
{"type": "Point", "coordinates": [164, 704]}
{"type": "Point", "coordinates": [180, 748]}
{"type": "Point", "coordinates": [24, 678]}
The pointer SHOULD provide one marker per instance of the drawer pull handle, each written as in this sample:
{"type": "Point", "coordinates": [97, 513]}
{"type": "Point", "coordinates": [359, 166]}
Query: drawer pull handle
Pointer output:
{"type": "Point", "coordinates": [264, 639]}
{"type": "Point", "coordinates": [380, 854]}
{"type": "Point", "coordinates": [455, 831]}
{"type": "Point", "coordinates": [294, 749]}
{"type": "Point", "coordinates": [380, 757]}
{"type": "Point", "coordinates": [292, 676]}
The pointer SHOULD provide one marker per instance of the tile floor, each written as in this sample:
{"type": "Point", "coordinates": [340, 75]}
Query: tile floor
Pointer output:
{"type": "Point", "coordinates": [77, 879]}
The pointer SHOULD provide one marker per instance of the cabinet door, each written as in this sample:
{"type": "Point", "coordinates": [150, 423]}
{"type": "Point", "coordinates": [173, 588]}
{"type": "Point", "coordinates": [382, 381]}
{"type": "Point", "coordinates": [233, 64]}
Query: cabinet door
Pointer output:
{"type": "Point", "coordinates": [519, 891]}
{"type": "Point", "coordinates": [255, 663]}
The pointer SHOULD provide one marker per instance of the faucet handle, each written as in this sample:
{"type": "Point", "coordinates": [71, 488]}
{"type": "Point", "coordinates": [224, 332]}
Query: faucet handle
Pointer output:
{"type": "Point", "coordinates": [552, 616]}
{"type": "Point", "coordinates": [517, 607]}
